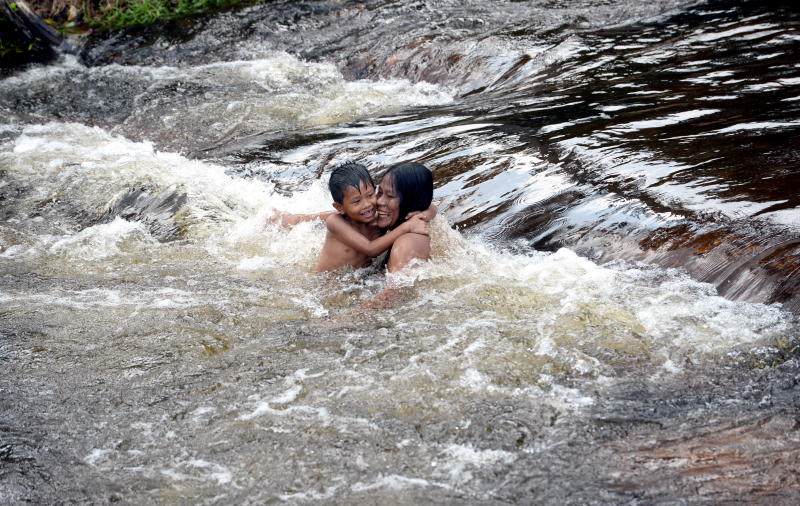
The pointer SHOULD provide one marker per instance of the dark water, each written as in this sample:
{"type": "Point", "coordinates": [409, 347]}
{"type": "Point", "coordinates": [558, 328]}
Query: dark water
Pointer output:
{"type": "Point", "coordinates": [600, 328]}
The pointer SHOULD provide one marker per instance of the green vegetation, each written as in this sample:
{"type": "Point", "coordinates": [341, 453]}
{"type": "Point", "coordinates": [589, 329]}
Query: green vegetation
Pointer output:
{"type": "Point", "coordinates": [10, 48]}
{"type": "Point", "coordinates": [85, 15]}
{"type": "Point", "coordinates": [128, 13]}
{"type": "Point", "coordinates": [15, 46]}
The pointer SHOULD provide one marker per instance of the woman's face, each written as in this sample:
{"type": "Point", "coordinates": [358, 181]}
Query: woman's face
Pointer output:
{"type": "Point", "coordinates": [388, 203]}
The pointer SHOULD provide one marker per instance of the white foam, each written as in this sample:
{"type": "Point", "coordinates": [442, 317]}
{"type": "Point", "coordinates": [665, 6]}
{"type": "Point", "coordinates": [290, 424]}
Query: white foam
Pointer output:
{"type": "Point", "coordinates": [562, 294]}
{"type": "Point", "coordinates": [218, 472]}
{"type": "Point", "coordinates": [394, 482]}
{"type": "Point", "coordinates": [313, 495]}
{"type": "Point", "coordinates": [458, 459]}
{"type": "Point", "coordinates": [295, 387]}
{"type": "Point", "coordinates": [94, 298]}
{"type": "Point", "coordinates": [227, 215]}
{"type": "Point", "coordinates": [199, 470]}
{"type": "Point", "coordinates": [474, 380]}
{"type": "Point", "coordinates": [98, 455]}
{"type": "Point", "coordinates": [100, 241]}
{"type": "Point", "coordinates": [288, 396]}
{"type": "Point", "coordinates": [239, 98]}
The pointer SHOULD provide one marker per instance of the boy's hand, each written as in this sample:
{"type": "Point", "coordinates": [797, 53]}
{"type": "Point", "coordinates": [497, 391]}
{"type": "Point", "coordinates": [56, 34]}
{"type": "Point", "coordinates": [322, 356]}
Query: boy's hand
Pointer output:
{"type": "Point", "coordinates": [427, 215]}
{"type": "Point", "coordinates": [284, 219]}
{"type": "Point", "coordinates": [417, 225]}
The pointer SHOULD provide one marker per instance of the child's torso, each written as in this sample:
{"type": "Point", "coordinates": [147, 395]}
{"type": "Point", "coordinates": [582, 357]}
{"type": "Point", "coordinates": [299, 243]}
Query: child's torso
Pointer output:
{"type": "Point", "coordinates": [335, 253]}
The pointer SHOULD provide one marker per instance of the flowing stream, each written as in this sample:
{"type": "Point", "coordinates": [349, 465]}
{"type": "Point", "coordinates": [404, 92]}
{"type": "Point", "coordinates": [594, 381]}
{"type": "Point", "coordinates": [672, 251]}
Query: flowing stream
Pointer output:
{"type": "Point", "coordinates": [610, 315]}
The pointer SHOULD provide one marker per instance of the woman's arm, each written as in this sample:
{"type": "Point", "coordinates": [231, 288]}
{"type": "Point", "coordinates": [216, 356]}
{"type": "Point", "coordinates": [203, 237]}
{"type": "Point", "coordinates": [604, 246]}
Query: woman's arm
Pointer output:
{"type": "Point", "coordinates": [345, 232]}
{"type": "Point", "coordinates": [408, 248]}
{"type": "Point", "coordinates": [405, 250]}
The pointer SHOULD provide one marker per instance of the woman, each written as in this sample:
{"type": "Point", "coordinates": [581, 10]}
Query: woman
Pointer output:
{"type": "Point", "coordinates": [406, 188]}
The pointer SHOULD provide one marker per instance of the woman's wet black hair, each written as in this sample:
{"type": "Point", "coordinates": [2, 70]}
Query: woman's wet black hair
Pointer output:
{"type": "Point", "coordinates": [413, 183]}
{"type": "Point", "coordinates": [348, 174]}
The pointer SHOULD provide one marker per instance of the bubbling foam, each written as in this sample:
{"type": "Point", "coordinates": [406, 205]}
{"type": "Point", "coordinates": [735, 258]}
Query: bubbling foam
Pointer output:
{"type": "Point", "coordinates": [506, 316]}
{"type": "Point", "coordinates": [194, 108]}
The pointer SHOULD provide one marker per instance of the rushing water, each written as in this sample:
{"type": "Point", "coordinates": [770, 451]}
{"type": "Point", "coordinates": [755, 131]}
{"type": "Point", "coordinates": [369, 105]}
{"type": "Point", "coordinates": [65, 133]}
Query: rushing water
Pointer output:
{"type": "Point", "coordinates": [619, 209]}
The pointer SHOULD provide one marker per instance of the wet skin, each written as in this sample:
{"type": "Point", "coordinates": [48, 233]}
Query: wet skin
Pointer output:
{"type": "Point", "coordinates": [408, 247]}
{"type": "Point", "coordinates": [388, 203]}
{"type": "Point", "coordinates": [358, 204]}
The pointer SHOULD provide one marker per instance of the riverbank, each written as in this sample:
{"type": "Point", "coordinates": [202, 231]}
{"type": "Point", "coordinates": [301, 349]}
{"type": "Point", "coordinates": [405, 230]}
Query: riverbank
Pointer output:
{"type": "Point", "coordinates": [28, 30]}
{"type": "Point", "coordinates": [75, 15]}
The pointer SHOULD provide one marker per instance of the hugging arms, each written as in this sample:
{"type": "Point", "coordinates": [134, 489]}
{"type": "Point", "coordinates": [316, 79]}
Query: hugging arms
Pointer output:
{"type": "Point", "coordinates": [367, 219]}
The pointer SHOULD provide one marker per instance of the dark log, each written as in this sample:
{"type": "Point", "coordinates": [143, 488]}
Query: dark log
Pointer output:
{"type": "Point", "coordinates": [32, 26]}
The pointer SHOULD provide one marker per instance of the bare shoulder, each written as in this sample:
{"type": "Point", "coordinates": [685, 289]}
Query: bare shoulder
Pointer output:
{"type": "Point", "coordinates": [335, 220]}
{"type": "Point", "coordinates": [409, 247]}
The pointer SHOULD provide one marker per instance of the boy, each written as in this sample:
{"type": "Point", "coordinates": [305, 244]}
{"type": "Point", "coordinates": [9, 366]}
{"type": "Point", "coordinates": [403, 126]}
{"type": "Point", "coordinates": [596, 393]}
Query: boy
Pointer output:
{"type": "Point", "coordinates": [352, 236]}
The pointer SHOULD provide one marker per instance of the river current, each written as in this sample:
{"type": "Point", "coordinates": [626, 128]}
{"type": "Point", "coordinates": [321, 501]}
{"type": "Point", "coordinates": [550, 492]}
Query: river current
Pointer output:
{"type": "Point", "coordinates": [610, 315]}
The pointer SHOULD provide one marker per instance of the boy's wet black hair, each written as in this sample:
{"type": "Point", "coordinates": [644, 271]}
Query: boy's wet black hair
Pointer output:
{"type": "Point", "coordinates": [348, 174]}
{"type": "Point", "coordinates": [413, 183]}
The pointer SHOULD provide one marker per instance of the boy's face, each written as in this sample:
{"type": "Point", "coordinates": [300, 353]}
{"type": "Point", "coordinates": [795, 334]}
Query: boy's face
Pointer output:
{"type": "Point", "coordinates": [358, 204]}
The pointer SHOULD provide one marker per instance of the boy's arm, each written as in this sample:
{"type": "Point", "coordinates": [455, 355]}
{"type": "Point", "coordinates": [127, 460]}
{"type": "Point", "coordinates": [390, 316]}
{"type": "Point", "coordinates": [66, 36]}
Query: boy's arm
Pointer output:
{"type": "Point", "coordinates": [290, 220]}
{"type": "Point", "coordinates": [428, 214]}
{"type": "Point", "coordinates": [344, 232]}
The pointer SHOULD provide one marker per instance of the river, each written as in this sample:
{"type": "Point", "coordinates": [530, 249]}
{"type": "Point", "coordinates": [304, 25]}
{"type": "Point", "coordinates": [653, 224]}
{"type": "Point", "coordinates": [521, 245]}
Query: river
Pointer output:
{"type": "Point", "coordinates": [610, 315]}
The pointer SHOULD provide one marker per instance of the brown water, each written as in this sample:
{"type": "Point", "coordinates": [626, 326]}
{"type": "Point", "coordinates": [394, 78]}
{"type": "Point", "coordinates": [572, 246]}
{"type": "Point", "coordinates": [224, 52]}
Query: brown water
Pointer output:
{"type": "Point", "coordinates": [618, 203]}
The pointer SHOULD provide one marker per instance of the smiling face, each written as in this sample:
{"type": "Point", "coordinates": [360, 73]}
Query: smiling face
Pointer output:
{"type": "Point", "coordinates": [358, 204]}
{"type": "Point", "coordinates": [388, 203]}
